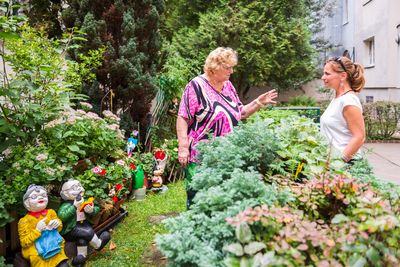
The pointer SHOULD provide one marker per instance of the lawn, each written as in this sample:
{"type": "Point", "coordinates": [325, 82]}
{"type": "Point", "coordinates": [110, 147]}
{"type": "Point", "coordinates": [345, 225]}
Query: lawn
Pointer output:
{"type": "Point", "coordinates": [134, 236]}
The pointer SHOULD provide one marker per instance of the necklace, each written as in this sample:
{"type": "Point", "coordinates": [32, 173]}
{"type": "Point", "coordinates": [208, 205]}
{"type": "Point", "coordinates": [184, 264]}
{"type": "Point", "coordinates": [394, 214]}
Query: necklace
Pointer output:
{"type": "Point", "coordinates": [345, 92]}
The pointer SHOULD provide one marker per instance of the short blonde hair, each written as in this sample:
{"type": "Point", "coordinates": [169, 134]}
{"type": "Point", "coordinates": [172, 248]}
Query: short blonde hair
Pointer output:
{"type": "Point", "coordinates": [219, 57]}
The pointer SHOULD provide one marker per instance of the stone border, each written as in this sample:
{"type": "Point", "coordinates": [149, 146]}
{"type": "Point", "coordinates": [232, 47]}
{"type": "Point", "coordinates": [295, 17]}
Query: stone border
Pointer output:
{"type": "Point", "coordinates": [383, 141]}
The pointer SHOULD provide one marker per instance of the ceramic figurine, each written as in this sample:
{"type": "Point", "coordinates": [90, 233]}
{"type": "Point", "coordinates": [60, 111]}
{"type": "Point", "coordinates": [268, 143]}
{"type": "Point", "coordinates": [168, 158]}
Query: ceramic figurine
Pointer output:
{"type": "Point", "coordinates": [73, 213]}
{"type": "Point", "coordinates": [41, 242]}
{"type": "Point", "coordinates": [156, 180]}
{"type": "Point", "coordinates": [160, 157]}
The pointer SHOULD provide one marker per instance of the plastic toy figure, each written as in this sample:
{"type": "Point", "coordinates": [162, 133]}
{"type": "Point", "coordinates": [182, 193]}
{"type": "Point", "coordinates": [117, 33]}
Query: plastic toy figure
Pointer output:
{"type": "Point", "coordinates": [73, 214]}
{"type": "Point", "coordinates": [41, 242]}
{"type": "Point", "coordinates": [132, 143]}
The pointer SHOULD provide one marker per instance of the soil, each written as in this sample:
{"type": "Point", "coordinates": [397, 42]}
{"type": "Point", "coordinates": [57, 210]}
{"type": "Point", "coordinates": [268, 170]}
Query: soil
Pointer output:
{"type": "Point", "coordinates": [152, 256]}
{"type": "Point", "coordinates": [159, 218]}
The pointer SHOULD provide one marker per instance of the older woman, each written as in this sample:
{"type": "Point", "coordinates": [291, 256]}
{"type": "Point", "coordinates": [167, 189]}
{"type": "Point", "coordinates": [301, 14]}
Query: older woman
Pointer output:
{"type": "Point", "coordinates": [210, 105]}
{"type": "Point", "coordinates": [342, 122]}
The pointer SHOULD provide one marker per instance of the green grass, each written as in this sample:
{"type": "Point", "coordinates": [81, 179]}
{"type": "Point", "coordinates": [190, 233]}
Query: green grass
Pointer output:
{"type": "Point", "coordinates": [135, 234]}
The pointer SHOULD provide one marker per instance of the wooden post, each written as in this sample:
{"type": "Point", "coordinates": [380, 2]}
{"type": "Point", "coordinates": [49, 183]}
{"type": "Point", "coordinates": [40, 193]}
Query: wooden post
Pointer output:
{"type": "Point", "coordinates": [3, 242]}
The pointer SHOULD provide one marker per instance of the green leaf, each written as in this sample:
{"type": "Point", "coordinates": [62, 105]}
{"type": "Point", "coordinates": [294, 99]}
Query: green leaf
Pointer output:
{"type": "Point", "coordinates": [9, 35]}
{"type": "Point", "coordinates": [254, 247]}
{"type": "Point", "coordinates": [357, 261]}
{"type": "Point", "coordinates": [373, 255]}
{"type": "Point", "coordinates": [74, 148]}
{"type": "Point", "coordinates": [234, 248]}
{"type": "Point", "coordinates": [232, 262]}
{"type": "Point", "coordinates": [243, 233]}
{"type": "Point", "coordinates": [339, 218]}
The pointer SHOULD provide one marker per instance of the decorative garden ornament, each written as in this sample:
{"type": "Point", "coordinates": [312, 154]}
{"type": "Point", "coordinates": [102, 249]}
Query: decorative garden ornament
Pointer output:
{"type": "Point", "coordinates": [157, 180]}
{"type": "Point", "coordinates": [132, 143]}
{"type": "Point", "coordinates": [41, 242]}
{"type": "Point", "coordinates": [160, 156]}
{"type": "Point", "coordinates": [73, 213]}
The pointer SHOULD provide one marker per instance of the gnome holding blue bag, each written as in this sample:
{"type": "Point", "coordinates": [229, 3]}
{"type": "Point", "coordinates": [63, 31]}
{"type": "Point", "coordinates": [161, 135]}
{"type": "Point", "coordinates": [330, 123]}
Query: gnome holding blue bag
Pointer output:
{"type": "Point", "coordinates": [41, 242]}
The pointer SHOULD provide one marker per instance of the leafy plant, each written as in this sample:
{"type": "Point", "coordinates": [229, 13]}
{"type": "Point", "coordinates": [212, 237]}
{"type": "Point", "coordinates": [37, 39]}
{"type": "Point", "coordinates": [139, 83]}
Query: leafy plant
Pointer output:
{"type": "Point", "coordinates": [41, 84]}
{"type": "Point", "coordinates": [381, 119]}
{"type": "Point", "coordinates": [95, 182]}
{"type": "Point", "coordinates": [147, 160]}
{"type": "Point", "coordinates": [302, 101]}
{"type": "Point", "coordinates": [224, 187]}
{"type": "Point", "coordinates": [303, 151]}
{"type": "Point", "coordinates": [83, 134]}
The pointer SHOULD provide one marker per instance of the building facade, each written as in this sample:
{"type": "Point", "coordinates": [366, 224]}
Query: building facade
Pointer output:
{"type": "Point", "coordinates": [368, 31]}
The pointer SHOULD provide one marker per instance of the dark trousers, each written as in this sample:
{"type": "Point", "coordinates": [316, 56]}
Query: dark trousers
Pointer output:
{"type": "Point", "coordinates": [190, 170]}
{"type": "Point", "coordinates": [189, 197]}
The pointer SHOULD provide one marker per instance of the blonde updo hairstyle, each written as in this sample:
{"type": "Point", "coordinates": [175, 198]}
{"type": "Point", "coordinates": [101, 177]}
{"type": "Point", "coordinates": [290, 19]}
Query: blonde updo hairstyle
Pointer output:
{"type": "Point", "coordinates": [355, 71]}
{"type": "Point", "coordinates": [219, 57]}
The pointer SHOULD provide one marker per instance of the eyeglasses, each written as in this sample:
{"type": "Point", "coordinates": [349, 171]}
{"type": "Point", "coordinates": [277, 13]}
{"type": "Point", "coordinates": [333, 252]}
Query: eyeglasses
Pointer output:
{"type": "Point", "coordinates": [227, 67]}
{"type": "Point", "coordinates": [76, 187]}
{"type": "Point", "coordinates": [339, 60]}
{"type": "Point", "coordinates": [35, 196]}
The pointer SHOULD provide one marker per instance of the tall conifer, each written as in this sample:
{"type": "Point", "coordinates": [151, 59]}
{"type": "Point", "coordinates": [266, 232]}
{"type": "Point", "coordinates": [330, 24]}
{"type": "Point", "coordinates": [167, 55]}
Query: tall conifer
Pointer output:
{"type": "Point", "coordinates": [129, 30]}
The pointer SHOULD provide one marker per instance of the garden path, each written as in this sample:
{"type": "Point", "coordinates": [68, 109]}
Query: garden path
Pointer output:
{"type": "Point", "coordinates": [385, 160]}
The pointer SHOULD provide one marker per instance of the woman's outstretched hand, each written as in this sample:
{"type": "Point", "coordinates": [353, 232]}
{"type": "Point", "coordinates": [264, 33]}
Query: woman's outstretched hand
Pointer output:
{"type": "Point", "coordinates": [268, 97]}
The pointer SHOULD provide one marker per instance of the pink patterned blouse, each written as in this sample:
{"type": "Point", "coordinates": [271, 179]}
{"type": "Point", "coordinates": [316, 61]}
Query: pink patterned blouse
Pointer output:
{"type": "Point", "coordinates": [208, 111]}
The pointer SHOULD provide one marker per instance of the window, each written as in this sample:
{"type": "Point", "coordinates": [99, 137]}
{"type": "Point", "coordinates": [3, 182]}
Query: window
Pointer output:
{"type": "Point", "coordinates": [369, 99]}
{"type": "Point", "coordinates": [370, 49]}
{"type": "Point", "coordinates": [345, 11]}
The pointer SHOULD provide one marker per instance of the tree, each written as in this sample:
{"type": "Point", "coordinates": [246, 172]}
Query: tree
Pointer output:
{"type": "Point", "coordinates": [45, 14]}
{"type": "Point", "coordinates": [126, 81]}
{"type": "Point", "coordinates": [272, 39]}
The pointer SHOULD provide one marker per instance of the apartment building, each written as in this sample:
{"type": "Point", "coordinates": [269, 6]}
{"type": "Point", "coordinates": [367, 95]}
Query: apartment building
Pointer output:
{"type": "Point", "coordinates": [368, 31]}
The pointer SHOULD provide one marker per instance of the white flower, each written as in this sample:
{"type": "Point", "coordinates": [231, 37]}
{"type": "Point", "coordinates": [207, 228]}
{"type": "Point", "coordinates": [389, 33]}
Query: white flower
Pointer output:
{"type": "Point", "coordinates": [92, 115]}
{"type": "Point", "coordinates": [53, 123]}
{"type": "Point", "coordinates": [120, 162]}
{"type": "Point", "coordinates": [41, 157]}
{"type": "Point", "coordinates": [108, 114]}
{"type": "Point", "coordinates": [50, 171]}
{"type": "Point", "coordinates": [6, 152]}
{"type": "Point", "coordinates": [86, 105]}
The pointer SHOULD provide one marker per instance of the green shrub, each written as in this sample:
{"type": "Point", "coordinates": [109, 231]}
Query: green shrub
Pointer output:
{"type": "Point", "coordinates": [227, 181]}
{"type": "Point", "coordinates": [302, 101]}
{"type": "Point", "coordinates": [276, 115]}
{"type": "Point", "coordinates": [381, 119]}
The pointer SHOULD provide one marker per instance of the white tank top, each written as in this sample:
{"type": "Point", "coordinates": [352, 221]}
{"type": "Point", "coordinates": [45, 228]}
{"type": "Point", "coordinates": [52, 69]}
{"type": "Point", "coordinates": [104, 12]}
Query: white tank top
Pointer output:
{"type": "Point", "coordinates": [333, 124]}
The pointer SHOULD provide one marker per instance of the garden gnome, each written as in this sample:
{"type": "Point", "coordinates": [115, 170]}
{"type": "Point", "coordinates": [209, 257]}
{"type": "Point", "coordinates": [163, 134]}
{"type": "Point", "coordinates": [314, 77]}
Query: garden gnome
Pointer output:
{"type": "Point", "coordinates": [41, 242]}
{"type": "Point", "coordinates": [73, 213]}
{"type": "Point", "coordinates": [156, 180]}
{"type": "Point", "coordinates": [160, 158]}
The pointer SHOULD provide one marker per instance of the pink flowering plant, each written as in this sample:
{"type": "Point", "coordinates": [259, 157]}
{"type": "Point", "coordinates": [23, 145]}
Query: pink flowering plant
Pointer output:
{"type": "Point", "coordinates": [333, 221]}
{"type": "Point", "coordinates": [100, 181]}
{"type": "Point", "coordinates": [85, 134]}
{"type": "Point", "coordinates": [94, 181]}
{"type": "Point", "coordinates": [119, 172]}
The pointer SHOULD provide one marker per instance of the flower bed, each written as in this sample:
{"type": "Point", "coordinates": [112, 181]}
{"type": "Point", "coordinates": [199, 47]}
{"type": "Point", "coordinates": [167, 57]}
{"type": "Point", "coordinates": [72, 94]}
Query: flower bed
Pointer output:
{"type": "Point", "coordinates": [255, 205]}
